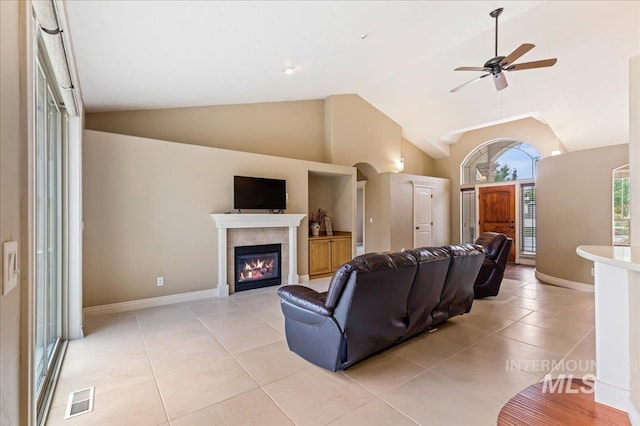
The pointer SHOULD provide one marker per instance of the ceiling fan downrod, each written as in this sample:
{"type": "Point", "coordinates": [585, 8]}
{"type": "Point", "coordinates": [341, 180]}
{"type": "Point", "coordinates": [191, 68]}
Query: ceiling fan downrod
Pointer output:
{"type": "Point", "coordinates": [495, 14]}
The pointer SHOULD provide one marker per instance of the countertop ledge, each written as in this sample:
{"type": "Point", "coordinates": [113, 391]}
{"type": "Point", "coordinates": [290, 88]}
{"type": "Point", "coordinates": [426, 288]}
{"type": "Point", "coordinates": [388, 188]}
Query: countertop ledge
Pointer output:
{"type": "Point", "coordinates": [622, 257]}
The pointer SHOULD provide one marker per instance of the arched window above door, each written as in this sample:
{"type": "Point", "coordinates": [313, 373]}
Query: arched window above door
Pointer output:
{"type": "Point", "coordinates": [499, 161]}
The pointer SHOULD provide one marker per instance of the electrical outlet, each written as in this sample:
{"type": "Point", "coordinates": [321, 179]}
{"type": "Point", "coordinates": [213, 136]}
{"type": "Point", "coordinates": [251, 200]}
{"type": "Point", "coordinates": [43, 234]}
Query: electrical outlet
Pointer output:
{"type": "Point", "coordinates": [160, 281]}
{"type": "Point", "coordinates": [370, 220]}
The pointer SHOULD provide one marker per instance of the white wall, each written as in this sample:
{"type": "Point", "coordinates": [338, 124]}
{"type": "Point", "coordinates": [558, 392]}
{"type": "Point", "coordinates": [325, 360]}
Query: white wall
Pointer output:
{"type": "Point", "coordinates": [11, 169]}
{"type": "Point", "coordinates": [147, 204]}
{"type": "Point", "coordinates": [634, 149]}
{"type": "Point", "coordinates": [357, 132]}
{"type": "Point", "coordinates": [377, 212]}
{"type": "Point", "coordinates": [401, 195]}
{"type": "Point", "coordinates": [574, 207]}
{"type": "Point", "coordinates": [634, 163]}
{"type": "Point", "coordinates": [293, 129]}
{"type": "Point", "coordinates": [389, 209]}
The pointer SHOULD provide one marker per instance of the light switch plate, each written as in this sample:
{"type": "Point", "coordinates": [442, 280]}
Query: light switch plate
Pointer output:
{"type": "Point", "coordinates": [10, 269]}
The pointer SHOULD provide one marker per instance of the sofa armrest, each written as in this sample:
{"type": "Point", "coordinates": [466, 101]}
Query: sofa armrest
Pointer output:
{"type": "Point", "coordinates": [305, 298]}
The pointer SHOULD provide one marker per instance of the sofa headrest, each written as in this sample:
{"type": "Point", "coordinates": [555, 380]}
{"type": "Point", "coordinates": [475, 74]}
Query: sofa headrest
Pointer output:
{"type": "Point", "coordinates": [380, 261]}
{"type": "Point", "coordinates": [465, 249]}
{"type": "Point", "coordinates": [492, 243]}
{"type": "Point", "coordinates": [428, 254]}
{"type": "Point", "coordinates": [362, 264]}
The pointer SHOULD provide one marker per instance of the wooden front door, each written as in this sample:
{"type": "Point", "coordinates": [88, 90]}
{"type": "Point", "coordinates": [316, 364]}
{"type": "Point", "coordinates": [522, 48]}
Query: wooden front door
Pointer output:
{"type": "Point", "coordinates": [497, 211]}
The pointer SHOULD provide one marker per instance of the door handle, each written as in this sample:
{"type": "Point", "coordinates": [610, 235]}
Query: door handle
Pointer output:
{"type": "Point", "coordinates": [417, 227]}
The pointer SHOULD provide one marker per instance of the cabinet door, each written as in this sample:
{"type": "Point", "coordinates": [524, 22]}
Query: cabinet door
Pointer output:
{"type": "Point", "coordinates": [319, 257]}
{"type": "Point", "coordinates": [340, 252]}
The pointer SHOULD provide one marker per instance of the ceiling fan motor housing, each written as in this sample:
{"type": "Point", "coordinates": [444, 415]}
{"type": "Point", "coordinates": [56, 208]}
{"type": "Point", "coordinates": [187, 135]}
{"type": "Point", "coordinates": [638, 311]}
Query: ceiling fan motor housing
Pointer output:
{"type": "Point", "coordinates": [494, 64]}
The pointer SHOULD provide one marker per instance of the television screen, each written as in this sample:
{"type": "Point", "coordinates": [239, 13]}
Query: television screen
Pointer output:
{"type": "Point", "coordinates": [259, 193]}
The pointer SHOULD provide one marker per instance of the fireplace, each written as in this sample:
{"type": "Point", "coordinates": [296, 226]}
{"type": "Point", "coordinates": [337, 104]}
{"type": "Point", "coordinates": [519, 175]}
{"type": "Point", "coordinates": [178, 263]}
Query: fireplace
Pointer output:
{"type": "Point", "coordinates": [257, 266]}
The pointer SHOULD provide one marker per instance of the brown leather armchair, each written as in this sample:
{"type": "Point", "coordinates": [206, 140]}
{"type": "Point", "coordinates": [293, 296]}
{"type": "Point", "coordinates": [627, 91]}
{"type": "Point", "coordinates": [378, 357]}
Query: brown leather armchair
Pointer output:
{"type": "Point", "coordinates": [497, 247]}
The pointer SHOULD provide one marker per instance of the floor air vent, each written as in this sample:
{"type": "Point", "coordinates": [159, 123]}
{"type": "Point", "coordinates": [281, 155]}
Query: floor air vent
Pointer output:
{"type": "Point", "coordinates": [80, 402]}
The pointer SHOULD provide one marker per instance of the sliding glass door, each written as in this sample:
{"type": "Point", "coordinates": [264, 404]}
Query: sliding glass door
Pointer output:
{"type": "Point", "coordinates": [48, 232]}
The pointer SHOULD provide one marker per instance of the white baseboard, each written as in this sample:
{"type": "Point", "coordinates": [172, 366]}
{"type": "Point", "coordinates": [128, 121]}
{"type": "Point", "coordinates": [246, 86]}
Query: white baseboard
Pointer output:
{"type": "Point", "coordinates": [132, 305]}
{"type": "Point", "coordinates": [529, 261]}
{"type": "Point", "coordinates": [634, 416]}
{"type": "Point", "coordinates": [304, 278]}
{"type": "Point", "coordinates": [611, 395]}
{"type": "Point", "coordinates": [560, 282]}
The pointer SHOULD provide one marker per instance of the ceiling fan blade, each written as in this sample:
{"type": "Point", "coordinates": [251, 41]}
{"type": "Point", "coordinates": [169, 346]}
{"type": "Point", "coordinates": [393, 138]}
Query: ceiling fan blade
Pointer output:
{"type": "Point", "coordinates": [513, 56]}
{"type": "Point", "coordinates": [500, 81]}
{"type": "Point", "coordinates": [468, 82]}
{"type": "Point", "coordinates": [473, 69]}
{"type": "Point", "coordinates": [535, 64]}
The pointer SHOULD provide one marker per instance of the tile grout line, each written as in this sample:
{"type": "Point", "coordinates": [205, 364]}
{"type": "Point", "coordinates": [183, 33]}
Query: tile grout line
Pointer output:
{"type": "Point", "coordinates": [260, 386]}
{"type": "Point", "coordinates": [571, 350]}
{"type": "Point", "coordinates": [546, 329]}
{"type": "Point", "coordinates": [375, 396]}
{"type": "Point", "coordinates": [289, 375]}
{"type": "Point", "coordinates": [468, 393]}
{"type": "Point", "coordinates": [153, 371]}
{"type": "Point", "coordinates": [241, 366]}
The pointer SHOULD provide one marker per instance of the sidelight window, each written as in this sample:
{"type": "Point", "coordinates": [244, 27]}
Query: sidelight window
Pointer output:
{"type": "Point", "coordinates": [528, 219]}
{"type": "Point", "coordinates": [621, 206]}
{"type": "Point", "coordinates": [468, 214]}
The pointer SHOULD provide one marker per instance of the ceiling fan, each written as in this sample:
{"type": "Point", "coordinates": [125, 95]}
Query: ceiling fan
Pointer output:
{"type": "Point", "coordinates": [496, 65]}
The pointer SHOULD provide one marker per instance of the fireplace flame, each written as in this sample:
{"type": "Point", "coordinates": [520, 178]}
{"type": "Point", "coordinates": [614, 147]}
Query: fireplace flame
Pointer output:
{"type": "Point", "coordinates": [257, 269]}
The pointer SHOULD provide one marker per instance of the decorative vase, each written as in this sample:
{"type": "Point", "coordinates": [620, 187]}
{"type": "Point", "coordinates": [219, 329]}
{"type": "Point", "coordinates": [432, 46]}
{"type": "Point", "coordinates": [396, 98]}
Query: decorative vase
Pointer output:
{"type": "Point", "coordinates": [315, 229]}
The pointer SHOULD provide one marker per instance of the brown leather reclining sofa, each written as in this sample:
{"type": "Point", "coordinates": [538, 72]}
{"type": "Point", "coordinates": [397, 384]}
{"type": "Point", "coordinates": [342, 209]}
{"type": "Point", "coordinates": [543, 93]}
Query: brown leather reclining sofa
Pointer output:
{"type": "Point", "coordinates": [378, 300]}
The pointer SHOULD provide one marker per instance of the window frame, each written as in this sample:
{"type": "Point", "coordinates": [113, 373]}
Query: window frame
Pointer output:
{"type": "Point", "coordinates": [624, 169]}
{"type": "Point", "coordinates": [506, 145]}
{"type": "Point", "coordinates": [42, 386]}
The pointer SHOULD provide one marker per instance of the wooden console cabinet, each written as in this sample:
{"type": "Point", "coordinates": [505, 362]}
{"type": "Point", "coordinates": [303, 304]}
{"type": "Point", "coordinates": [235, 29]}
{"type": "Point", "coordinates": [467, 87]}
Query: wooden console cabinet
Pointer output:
{"type": "Point", "coordinates": [327, 253]}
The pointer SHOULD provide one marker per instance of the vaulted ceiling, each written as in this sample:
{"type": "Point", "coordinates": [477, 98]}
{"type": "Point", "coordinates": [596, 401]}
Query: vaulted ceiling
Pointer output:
{"type": "Point", "coordinates": [398, 55]}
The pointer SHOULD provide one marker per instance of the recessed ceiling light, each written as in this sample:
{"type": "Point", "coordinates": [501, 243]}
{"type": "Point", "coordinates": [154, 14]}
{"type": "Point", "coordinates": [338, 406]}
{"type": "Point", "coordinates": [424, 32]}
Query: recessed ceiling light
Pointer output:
{"type": "Point", "coordinates": [289, 69]}
{"type": "Point", "coordinates": [363, 36]}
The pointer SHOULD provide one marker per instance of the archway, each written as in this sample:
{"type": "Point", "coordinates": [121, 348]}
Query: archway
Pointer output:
{"type": "Point", "coordinates": [497, 164]}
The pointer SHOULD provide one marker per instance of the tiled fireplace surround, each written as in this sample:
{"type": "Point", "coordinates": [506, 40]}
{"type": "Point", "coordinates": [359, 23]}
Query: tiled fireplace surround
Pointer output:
{"type": "Point", "coordinates": [256, 229]}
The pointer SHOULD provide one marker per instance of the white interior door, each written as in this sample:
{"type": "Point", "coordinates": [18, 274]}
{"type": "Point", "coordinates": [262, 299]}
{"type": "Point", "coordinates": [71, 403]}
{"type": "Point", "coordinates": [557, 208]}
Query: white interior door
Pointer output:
{"type": "Point", "coordinates": [422, 222]}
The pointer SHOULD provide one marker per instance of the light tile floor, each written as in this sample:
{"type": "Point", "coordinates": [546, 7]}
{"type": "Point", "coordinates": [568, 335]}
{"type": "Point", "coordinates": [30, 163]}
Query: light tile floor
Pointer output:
{"type": "Point", "coordinates": [225, 361]}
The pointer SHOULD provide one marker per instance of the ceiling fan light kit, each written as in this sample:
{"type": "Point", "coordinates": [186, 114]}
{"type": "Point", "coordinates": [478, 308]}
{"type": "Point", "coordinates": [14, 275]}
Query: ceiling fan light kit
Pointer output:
{"type": "Point", "coordinates": [498, 64]}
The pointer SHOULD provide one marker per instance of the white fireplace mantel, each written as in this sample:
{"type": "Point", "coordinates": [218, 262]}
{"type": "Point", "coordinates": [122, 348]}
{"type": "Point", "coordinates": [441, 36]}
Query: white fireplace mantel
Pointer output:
{"type": "Point", "coordinates": [225, 221]}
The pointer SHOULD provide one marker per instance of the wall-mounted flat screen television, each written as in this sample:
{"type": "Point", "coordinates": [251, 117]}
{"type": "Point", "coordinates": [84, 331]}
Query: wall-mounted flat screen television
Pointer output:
{"type": "Point", "coordinates": [254, 193]}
